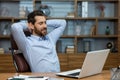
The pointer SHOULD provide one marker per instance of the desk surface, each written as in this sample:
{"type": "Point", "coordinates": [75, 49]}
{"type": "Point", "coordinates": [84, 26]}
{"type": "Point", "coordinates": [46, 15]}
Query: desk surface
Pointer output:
{"type": "Point", "coordinates": [105, 75]}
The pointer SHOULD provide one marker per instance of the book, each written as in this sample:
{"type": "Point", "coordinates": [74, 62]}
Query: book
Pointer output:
{"type": "Point", "coordinates": [2, 51]}
{"type": "Point", "coordinates": [70, 49]}
{"type": "Point", "coordinates": [59, 46]}
{"type": "Point", "coordinates": [84, 9]}
{"type": "Point", "coordinates": [70, 15]}
{"type": "Point", "coordinates": [86, 45]}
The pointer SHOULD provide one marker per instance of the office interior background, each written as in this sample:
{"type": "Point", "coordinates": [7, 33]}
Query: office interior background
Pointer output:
{"type": "Point", "coordinates": [91, 25]}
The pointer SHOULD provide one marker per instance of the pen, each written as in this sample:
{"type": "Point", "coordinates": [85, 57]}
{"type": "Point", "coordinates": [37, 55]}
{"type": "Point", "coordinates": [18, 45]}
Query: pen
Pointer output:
{"type": "Point", "coordinates": [16, 79]}
{"type": "Point", "coordinates": [36, 77]}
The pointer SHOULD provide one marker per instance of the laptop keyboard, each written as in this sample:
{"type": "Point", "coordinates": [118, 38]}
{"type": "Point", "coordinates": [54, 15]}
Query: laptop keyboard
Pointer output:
{"type": "Point", "coordinates": [75, 74]}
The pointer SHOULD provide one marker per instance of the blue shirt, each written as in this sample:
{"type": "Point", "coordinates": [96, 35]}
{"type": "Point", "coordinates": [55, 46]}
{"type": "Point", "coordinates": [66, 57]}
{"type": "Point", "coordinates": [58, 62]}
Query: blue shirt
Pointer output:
{"type": "Point", "coordinates": [40, 53]}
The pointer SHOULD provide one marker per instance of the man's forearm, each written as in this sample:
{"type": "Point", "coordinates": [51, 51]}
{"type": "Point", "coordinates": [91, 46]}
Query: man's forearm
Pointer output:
{"type": "Point", "coordinates": [18, 34]}
{"type": "Point", "coordinates": [19, 26]}
{"type": "Point", "coordinates": [56, 23]}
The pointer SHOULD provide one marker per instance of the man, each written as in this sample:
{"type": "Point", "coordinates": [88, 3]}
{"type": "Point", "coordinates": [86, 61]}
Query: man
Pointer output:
{"type": "Point", "coordinates": [40, 48]}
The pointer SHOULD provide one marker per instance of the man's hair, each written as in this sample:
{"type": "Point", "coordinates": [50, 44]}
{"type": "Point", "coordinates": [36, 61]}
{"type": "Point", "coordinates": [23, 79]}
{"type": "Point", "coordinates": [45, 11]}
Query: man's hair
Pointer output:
{"type": "Point", "coordinates": [31, 16]}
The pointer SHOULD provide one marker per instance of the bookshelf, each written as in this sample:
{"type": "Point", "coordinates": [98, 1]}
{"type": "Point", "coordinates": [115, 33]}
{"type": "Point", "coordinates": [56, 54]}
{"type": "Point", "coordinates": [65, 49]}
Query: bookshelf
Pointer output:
{"type": "Point", "coordinates": [80, 28]}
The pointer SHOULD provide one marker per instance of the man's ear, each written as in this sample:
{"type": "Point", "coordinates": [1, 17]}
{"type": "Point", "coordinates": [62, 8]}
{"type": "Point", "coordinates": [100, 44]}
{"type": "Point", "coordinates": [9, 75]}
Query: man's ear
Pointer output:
{"type": "Point", "coordinates": [30, 26]}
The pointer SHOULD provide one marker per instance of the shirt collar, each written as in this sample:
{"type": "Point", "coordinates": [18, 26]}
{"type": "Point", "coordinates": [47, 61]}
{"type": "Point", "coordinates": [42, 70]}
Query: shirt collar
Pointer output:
{"type": "Point", "coordinates": [40, 38]}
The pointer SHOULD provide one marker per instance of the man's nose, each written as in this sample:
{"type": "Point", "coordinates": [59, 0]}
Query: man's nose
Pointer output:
{"type": "Point", "coordinates": [45, 25]}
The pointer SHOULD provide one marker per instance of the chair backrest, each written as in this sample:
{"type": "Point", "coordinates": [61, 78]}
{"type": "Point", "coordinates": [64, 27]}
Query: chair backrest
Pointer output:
{"type": "Point", "coordinates": [19, 61]}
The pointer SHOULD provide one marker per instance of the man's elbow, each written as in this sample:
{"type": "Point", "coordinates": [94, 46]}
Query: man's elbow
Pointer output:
{"type": "Point", "coordinates": [63, 23]}
{"type": "Point", "coordinates": [13, 25]}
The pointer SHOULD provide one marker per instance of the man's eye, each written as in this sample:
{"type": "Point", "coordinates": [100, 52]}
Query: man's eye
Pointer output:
{"type": "Point", "coordinates": [41, 23]}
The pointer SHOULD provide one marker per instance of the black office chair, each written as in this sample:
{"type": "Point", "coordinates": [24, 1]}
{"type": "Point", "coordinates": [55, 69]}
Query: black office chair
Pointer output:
{"type": "Point", "coordinates": [19, 61]}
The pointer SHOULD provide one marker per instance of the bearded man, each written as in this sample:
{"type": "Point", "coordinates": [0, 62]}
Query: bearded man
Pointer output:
{"type": "Point", "coordinates": [39, 49]}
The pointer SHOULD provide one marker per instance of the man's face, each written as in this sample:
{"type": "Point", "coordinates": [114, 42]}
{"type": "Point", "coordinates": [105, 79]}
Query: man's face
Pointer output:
{"type": "Point", "coordinates": [40, 27]}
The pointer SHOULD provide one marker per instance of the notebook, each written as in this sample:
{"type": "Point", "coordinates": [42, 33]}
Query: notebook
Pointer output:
{"type": "Point", "coordinates": [93, 64]}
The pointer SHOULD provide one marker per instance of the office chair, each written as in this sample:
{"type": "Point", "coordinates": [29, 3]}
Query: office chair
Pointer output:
{"type": "Point", "coordinates": [19, 61]}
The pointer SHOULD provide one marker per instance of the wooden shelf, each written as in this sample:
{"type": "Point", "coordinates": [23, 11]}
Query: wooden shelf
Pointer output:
{"type": "Point", "coordinates": [4, 36]}
{"type": "Point", "coordinates": [6, 18]}
{"type": "Point", "coordinates": [73, 36]}
{"type": "Point", "coordinates": [54, 0]}
{"type": "Point", "coordinates": [108, 18]}
{"type": "Point", "coordinates": [90, 36]}
{"type": "Point", "coordinates": [9, 0]}
{"type": "Point", "coordinates": [100, 0]}
{"type": "Point", "coordinates": [71, 61]}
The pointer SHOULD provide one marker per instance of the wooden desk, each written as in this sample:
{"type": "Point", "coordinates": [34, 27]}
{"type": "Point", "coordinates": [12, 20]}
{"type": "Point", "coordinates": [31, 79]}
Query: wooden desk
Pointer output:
{"type": "Point", "coordinates": [105, 75]}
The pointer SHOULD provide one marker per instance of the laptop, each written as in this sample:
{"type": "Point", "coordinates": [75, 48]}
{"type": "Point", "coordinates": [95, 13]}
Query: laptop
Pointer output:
{"type": "Point", "coordinates": [93, 64]}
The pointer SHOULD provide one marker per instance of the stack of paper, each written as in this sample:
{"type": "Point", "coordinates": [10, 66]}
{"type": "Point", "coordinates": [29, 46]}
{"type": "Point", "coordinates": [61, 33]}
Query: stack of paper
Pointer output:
{"type": "Point", "coordinates": [26, 77]}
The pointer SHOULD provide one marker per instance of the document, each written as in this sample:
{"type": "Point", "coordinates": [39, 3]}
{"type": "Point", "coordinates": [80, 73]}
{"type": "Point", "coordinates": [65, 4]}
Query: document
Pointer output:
{"type": "Point", "coordinates": [26, 77]}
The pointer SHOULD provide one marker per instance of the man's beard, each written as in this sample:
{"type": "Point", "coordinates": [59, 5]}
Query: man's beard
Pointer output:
{"type": "Point", "coordinates": [41, 32]}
